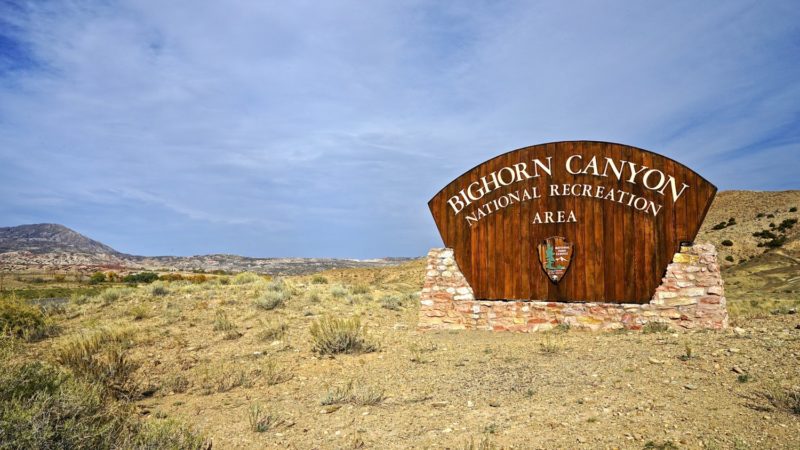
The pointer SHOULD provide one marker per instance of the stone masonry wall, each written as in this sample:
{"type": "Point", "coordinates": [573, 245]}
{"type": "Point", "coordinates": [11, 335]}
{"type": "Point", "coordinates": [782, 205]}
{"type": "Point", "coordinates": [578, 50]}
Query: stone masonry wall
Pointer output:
{"type": "Point", "coordinates": [691, 296]}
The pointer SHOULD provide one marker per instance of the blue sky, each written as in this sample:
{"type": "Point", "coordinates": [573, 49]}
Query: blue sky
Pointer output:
{"type": "Point", "coordinates": [323, 128]}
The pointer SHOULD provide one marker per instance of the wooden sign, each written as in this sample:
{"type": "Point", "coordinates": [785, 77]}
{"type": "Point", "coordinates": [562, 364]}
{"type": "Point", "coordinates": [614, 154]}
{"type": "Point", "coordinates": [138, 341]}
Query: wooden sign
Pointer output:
{"type": "Point", "coordinates": [621, 211]}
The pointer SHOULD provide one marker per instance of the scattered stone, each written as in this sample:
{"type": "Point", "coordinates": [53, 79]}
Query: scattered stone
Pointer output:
{"type": "Point", "coordinates": [733, 350]}
{"type": "Point", "coordinates": [447, 430]}
{"type": "Point", "coordinates": [470, 404]}
{"type": "Point", "coordinates": [439, 404]}
{"type": "Point", "coordinates": [690, 387]}
{"type": "Point", "coordinates": [792, 311]}
{"type": "Point", "coordinates": [257, 354]}
{"type": "Point", "coordinates": [737, 369]}
{"type": "Point", "coordinates": [494, 403]}
{"type": "Point", "coordinates": [739, 331]}
{"type": "Point", "coordinates": [655, 361]}
{"type": "Point", "coordinates": [327, 409]}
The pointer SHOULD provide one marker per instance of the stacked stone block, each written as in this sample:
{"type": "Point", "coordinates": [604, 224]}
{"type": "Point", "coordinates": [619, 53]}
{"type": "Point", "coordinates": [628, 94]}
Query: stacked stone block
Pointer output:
{"type": "Point", "coordinates": [691, 296]}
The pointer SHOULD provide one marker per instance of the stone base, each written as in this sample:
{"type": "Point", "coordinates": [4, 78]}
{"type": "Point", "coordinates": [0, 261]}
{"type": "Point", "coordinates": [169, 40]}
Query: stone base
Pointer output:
{"type": "Point", "coordinates": [691, 296]}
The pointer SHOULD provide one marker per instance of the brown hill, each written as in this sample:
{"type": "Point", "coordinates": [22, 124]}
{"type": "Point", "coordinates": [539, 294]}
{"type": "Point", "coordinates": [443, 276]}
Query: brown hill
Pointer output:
{"type": "Point", "coordinates": [752, 212]}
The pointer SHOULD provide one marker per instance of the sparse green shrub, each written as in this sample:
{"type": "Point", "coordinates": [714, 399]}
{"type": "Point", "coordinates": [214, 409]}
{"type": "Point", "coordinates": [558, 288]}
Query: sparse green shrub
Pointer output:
{"type": "Point", "coordinates": [111, 295]}
{"type": "Point", "coordinates": [743, 378]}
{"type": "Point", "coordinates": [719, 226]}
{"type": "Point", "coordinates": [418, 351]}
{"type": "Point", "coordinates": [666, 445]}
{"type": "Point", "coordinates": [19, 319]}
{"type": "Point", "coordinates": [765, 234]}
{"type": "Point", "coordinates": [793, 209]}
{"type": "Point", "coordinates": [331, 335]}
{"type": "Point", "coordinates": [655, 327]}
{"type": "Point", "coordinates": [727, 243]}
{"type": "Point", "coordinates": [770, 216]}
{"type": "Point", "coordinates": [246, 278]}
{"type": "Point", "coordinates": [729, 258]}
{"type": "Point", "coordinates": [270, 300]}
{"type": "Point", "coordinates": [44, 408]}
{"type": "Point", "coordinates": [392, 302]}
{"type": "Point", "coordinates": [158, 290]}
{"type": "Point", "coordinates": [759, 215]}
{"type": "Point", "coordinates": [319, 279]}
{"type": "Point", "coordinates": [787, 224]}
{"type": "Point", "coordinates": [338, 291]}
{"type": "Point", "coordinates": [484, 444]}
{"type": "Point", "coordinates": [732, 221]}
{"type": "Point", "coordinates": [777, 242]}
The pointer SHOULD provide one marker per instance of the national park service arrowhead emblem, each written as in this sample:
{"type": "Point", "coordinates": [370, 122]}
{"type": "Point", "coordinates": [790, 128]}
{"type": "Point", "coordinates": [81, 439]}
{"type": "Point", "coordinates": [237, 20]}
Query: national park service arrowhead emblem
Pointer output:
{"type": "Point", "coordinates": [555, 254]}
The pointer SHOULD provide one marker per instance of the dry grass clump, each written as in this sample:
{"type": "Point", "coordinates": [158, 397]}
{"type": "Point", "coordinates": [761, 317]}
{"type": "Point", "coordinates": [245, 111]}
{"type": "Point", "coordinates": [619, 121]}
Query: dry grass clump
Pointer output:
{"type": "Point", "coordinates": [356, 393]}
{"type": "Point", "coordinates": [273, 331]}
{"type": "Point", "coordinates": [552, 343]}
{"type": "Point", "coordinates": [262, 420]}
{"type": "Point", "coordinates": [418, 351]}
{"type": "Point", "coordinates": [392, 302]}
{"type": "Point", "coordinates": [319, 279]}
{"type": "Point", "coordinates": [273, 373]}
{"type": "Point", "coordinates": [224, 324]}
{"type": "Point", "coordinates": [225, 377]}
{"type": "Point", "coordinates": [782, 399]}
{"type": "Point", "coordinates": [20, 319]}
{"type": "Point", "coordinates": [246, 278]}
{"type": "Point", "coordinates": [100, 357]}
{"type": "Point", "coordinates": [331, 335]}
{"type": "Point", "coordinates": [655, 327]}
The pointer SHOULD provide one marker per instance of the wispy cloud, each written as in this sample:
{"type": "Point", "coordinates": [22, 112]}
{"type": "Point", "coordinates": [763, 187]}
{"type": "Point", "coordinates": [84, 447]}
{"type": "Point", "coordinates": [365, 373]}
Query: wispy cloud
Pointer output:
{"type": "Point", "coordinates": [322, 128]}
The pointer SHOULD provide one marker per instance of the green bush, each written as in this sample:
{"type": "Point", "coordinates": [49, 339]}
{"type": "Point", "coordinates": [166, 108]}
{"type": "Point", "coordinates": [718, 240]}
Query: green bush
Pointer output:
{"type": "Point", "coordinates": [331, 336]}
{"type": "Point", "coordinates": [392, 302]}
{"type": "Point", "coordinates": [793, 209]}
{"type": "Point", "coordinates": [719, 226]}
{"type": "Point", "coordinates": [270, 300]}
{"type": "Point", "coordinates": [729, 258]}
{"type": "Point", "coordinates": [19, 319]}
{"type": "Point", "coordinates": [43, 408]}
{"type": "Point", "coordinates": [97, 278]}
{"type": "Point", "coordinates": [655, 327]}
{"type": "Point", "coordinates": [142, 277]}
{"type": "Point", "coordinates": [727, 243]}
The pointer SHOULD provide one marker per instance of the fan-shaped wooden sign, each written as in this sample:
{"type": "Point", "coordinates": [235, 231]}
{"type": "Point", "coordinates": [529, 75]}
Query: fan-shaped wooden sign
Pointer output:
{"type": "Point", "coordinates": [623, 210]}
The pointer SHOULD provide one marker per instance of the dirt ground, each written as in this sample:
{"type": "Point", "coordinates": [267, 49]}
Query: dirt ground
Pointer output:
{"type": "Point", "coordinates": [564, 389]}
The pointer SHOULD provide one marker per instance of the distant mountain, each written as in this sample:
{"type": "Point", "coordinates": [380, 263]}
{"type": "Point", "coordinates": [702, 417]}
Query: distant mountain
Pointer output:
{"type": "Point", "coordinates": [49, 238]}
{"type": "Point", "coordinates": [53, 246]}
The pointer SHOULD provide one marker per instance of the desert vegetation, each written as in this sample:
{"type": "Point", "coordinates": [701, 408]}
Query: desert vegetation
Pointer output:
{"type": "Point", "coordinates": [333, 360]}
